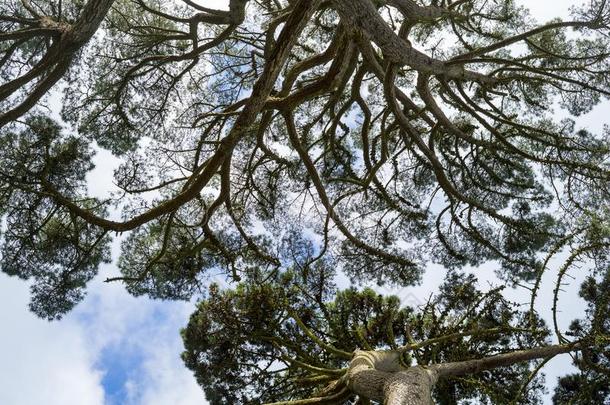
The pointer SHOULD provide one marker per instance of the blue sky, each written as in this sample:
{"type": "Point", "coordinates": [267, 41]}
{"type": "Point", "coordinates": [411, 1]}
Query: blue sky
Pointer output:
{"type": "Point", "coordinates": [114, 349]}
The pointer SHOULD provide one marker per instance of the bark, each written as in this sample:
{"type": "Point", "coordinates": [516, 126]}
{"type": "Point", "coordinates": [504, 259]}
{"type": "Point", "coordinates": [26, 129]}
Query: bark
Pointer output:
{"type": "Point", "coordinates": [412, 386]}
{"type": "Point", "coordinates": [92, 16]}
{"type": "Point", "coordinates": [502, 360]}
{"type": "Point", "coordinates": [379, 376]}
{"type": "Point", "coordinates": [412, 10]}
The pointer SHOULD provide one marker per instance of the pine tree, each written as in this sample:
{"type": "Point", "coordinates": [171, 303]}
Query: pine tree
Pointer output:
{"type": "Point", "coordinates": [270, 141]}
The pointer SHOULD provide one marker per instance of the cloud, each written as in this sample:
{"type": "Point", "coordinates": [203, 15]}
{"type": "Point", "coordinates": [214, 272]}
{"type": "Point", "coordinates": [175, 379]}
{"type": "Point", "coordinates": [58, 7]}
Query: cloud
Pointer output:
{"type": "Point", "coordinates": [138, 346]}
{"type": "Point", "coordinates": [544, 10]}
{"type": "Point", "coordinates": [113, 349]}
{"type": "Point", "coordinates": [167, 380]}
{"type": "Point", "coordinates": [141, 344]}
{"type": "Point", "coordinates": [42, 362]}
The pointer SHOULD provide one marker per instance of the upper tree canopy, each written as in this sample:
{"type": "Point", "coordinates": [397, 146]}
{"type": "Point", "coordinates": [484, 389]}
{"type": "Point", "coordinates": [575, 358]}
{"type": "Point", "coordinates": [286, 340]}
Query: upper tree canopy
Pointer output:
{"type": "Point", "coordinates": [270, 136]}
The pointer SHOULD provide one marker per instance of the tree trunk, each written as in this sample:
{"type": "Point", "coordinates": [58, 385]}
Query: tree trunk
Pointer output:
{"type": "Point", "coordinates": [410, 387]}
{"type": "Point", "coordinates": [379, 376]}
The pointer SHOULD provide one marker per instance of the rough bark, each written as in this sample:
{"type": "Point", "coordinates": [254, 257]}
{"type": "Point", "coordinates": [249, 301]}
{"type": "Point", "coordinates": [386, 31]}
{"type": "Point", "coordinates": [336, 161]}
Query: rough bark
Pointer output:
{"type": "Point", "coordinates": [379, 376]}
{"type": "Point", "coordinates": [412, 386]}
{"type": "Point", "coordinates": [412, 10]}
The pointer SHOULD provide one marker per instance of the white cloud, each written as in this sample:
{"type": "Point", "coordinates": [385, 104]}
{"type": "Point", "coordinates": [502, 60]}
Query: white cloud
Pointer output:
{"type": "Point", "coordinates": [114, 319]}
{"type": "Point", "coordinates": [64, 362]}
{"type": "Point", "coordinates": [150, 328]}
{"type": "Point", "coordinates": [167, 380]}
{"type": "Point", "coordinates": [546, 10]}
{"type": "Point", "coordinates": [42, 362]}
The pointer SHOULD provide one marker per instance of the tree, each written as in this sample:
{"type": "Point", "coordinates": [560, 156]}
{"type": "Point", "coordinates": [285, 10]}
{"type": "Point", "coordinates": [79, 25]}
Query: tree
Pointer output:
{"type": "Point", "coordinates": [290, 338]}
{"type": "Point", "coordinates": [273, 138]}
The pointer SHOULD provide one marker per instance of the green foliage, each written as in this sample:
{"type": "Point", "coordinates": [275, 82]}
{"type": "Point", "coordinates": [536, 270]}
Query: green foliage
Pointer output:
{"type": "Point", "coordinates": [592, 384]}
{"type": "Point", "coordinates": [59, 251]}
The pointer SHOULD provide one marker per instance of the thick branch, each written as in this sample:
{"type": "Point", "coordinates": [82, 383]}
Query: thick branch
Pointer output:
{"type": "Point", "coordinates": [502, 360]}
{"type": "Point", "coordinates": [58, 58]}
{"type": "Point", "coordinates": [362, 17]}
{"type": "Point", "coordinates": [413, 11]}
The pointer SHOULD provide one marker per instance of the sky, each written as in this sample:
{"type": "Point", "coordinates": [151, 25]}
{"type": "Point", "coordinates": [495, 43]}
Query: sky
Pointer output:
{"type": "Point", "coordinates": [114, 349]}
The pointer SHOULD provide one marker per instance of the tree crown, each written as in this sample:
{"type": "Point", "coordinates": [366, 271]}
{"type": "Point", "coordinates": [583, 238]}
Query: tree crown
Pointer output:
{"type": "Point", "coordinates": [269, 141]}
